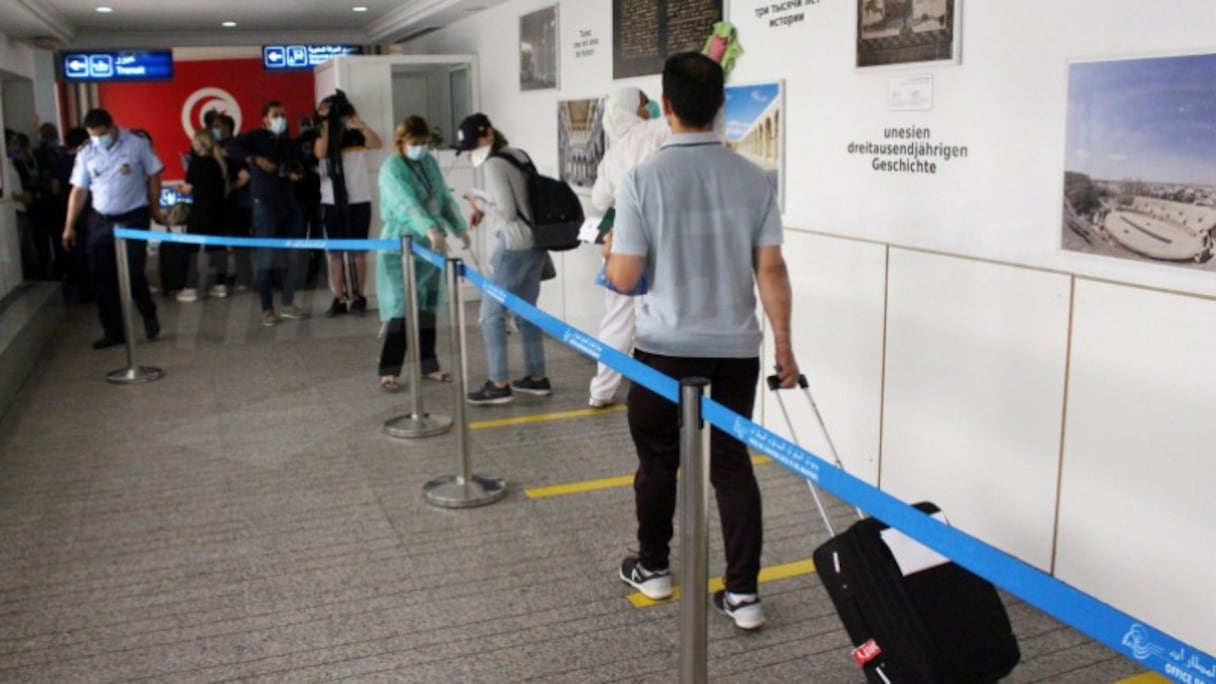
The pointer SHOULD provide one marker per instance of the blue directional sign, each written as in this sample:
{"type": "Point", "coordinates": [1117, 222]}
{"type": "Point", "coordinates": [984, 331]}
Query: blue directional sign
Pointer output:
{"type": "Point", "coordinates": [76, 67]}
{"type": "Point", "coordinates": [121, 65]}
{"type": "Point", "coordinates": [303, 56]}
{"type": "Point", "coordinates": [274, 56]}
{"type": "Point", "coordinates": [101, 66]}
{"type": "Point", "coordinates": [297, 57]}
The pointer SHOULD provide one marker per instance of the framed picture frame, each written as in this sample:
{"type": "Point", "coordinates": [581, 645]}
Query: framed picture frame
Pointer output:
{"type": "Point", "coordinates": [1139, 159]}
{"type": "Point", "coordinates": [538, 54]}
{"type": "Point", "coordinates": [580, 141]}
{"type": "Point", "coordinates": [754, 126]}
{"type": "Point", "coordinates": [896, 32]}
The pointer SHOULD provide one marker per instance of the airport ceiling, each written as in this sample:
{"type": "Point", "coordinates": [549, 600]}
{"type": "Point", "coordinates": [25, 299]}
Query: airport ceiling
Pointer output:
{"type": "Point", "coordinates": [179, 23]}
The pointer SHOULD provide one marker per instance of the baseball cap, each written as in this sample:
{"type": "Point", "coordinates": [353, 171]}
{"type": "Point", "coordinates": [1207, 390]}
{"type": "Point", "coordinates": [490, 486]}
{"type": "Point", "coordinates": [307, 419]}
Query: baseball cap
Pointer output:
{"type": "Point", "coordinates": [473, 127]}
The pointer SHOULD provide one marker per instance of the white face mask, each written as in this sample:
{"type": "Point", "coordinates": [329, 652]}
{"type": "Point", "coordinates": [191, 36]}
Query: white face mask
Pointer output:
{"type": "Point", "coordinates": [415, 152]}
{"type": "Point", "coordinates": [480, 155]}
{"type": "Point", "coordinates": [278, 125]}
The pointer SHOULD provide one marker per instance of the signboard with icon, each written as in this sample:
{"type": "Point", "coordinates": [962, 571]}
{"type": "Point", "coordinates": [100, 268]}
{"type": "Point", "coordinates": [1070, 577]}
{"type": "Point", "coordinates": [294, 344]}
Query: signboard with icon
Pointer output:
{"type": "Point", "coordinates": [119, 65]}
{"type": "Point", "coordinates": [303, 56]}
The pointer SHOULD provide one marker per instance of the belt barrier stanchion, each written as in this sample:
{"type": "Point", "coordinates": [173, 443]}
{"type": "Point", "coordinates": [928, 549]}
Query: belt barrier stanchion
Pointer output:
{"type": "Point", "coordinates": [694, 531]}
{"type": "Point", "coordinates": [463, 490]}
{"type": "Point", "coordinates": [417, 423]}
{"type": "Point", "coordinates": [132, 374]}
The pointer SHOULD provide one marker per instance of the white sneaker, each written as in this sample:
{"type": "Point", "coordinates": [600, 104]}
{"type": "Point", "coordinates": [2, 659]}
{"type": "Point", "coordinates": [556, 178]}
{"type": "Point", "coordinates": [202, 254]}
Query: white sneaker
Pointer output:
{"type": "Point", "coordinates": [269, 318]}
{"type": "Point", "coordinates": [293, 312]}
{"type": "Point", "coordinates": [747, 614]}
{"type": "Point", "coordinates": [188, 295]}
{"type": "Point", "coordinates": [218, 291]}
{"type": "Point", "coordinates": [599, 403]}
{"type": "Point", "coordinates": [653, 584]}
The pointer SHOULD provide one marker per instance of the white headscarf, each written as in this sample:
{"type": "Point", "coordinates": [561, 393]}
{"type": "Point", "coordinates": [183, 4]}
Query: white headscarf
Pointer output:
{"type": "Point", "coordinates": [621, 112]}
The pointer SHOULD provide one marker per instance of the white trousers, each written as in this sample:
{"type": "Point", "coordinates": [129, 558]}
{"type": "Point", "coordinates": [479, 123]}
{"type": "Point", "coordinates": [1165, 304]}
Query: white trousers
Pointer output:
{"type": "Point", "coordinates": [616, 329]}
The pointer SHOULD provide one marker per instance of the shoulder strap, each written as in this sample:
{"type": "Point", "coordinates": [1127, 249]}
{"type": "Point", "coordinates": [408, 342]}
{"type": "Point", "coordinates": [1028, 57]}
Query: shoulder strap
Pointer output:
{"type": "Point", "coordinates": [529, 171]}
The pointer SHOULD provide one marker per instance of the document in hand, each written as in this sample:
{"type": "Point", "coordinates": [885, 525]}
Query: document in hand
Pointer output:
{"type": "Point", "coordinates": [640, 289]}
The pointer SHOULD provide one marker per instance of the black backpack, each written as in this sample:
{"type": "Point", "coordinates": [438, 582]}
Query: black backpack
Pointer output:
{"type": "Point", "coordinates": [556, 211]}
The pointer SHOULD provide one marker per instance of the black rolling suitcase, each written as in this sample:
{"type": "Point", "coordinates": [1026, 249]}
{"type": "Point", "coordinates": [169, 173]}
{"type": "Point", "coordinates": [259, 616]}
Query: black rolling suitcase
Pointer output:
{"type": "Point", "coordinates": [913, 615]}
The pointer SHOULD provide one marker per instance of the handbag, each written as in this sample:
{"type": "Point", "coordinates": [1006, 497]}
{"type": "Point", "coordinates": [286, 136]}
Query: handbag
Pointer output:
{"type": "Point", "coordinates": [549, 270]}
{"type": "Point", "coordinates": [177, 214]}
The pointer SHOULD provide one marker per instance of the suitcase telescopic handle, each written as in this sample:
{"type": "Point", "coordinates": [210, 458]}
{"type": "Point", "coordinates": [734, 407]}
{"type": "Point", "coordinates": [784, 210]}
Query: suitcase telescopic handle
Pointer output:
{"type": "Point", "coordinates": [774, 382]}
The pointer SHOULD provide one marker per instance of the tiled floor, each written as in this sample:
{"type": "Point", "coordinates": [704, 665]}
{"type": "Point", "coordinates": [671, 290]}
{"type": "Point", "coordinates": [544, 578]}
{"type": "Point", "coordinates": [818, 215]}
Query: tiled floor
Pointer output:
{"type": "Point", "coordinates": [245, 519]}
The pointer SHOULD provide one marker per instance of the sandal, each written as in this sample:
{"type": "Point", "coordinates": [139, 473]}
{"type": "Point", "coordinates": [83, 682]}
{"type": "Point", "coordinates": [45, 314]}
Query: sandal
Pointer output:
{"type": "Point", "coordinates": [389, 384]}
{"type": "Point", "coordinates": [438, 376]}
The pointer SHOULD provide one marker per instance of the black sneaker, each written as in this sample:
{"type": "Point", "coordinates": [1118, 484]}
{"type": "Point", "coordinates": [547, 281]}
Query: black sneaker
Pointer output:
{"type": "Point", "coordinates": [491, 394]}
{"type": "Point", "coordinates": [654, 584]}
{"type": "Point", "coordinates": [747, 614]}
{"type": "Point", "coordinates": [527, 385]}
{"type": "Point", "coordinates": [337, 308]}
{"type": "Point", "coordinates": [152, 327]}
{"type": "Point", "coordinates": [107, 342]}
{"type": "Point", "coordinates": [358, 306]}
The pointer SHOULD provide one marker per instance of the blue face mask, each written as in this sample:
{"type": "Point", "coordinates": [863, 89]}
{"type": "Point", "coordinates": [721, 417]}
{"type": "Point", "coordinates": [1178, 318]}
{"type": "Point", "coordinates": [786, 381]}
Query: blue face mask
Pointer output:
{"type": "Point", "coordinates": [415, 152]}
{"type": "Point", "coordinates": [103, 140]}
{"type": "Point", "coordinates": [278, 125]}
{"type": "Point", "coordinates": [217, 133]}
{"type": "Point", "coordinates": [654, 110]}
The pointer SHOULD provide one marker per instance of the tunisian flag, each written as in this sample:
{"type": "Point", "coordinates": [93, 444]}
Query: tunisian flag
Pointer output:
{"type": "Point", "coordinates": [170, 111]}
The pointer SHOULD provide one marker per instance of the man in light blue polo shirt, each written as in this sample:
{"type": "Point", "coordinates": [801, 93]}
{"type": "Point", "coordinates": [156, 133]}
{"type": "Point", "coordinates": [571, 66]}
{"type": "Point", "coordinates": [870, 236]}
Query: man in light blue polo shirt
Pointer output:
{"type": "Point", "coordinates": [122, 174]}
{"type": "Point", "coordinates": [702, 224]}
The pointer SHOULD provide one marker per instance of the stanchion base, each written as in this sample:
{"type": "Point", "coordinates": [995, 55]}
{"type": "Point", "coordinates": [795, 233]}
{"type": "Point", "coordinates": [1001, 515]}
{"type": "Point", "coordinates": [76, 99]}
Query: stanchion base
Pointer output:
{"type": "Point", "coordinates": [134, 376]}
{"type": "Point", "coordinates": [452, 492]}
{"type": "Point", "coordinates": [415, 426]}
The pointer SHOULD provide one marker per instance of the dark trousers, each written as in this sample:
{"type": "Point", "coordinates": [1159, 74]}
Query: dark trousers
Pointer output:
{"type": "Point", "coordinates": [654, 423]}
{"type": "Point", "coordinates": [103, 267]}
{"type": "Point", "coordinates": [392, 354]}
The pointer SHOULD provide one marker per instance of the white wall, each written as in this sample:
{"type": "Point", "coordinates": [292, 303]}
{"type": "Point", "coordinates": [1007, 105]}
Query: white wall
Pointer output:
{"type": "Point", "coordinates": [16, 62]}
{"type": "Point", "coordinates": [1055, 404]}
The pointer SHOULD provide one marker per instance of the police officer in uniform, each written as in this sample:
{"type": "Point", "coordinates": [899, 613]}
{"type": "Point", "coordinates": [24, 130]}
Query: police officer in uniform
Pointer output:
{"type": "Point", "coordinates": [122, 173]}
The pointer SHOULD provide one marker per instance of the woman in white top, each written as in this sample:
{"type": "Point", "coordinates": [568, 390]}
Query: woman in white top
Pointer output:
{"type": "Point", "coordinates": [635, 130]}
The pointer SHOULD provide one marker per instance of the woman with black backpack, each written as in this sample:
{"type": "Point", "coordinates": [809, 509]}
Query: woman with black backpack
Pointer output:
{"type": "Point", "coordinates": [517, 264]}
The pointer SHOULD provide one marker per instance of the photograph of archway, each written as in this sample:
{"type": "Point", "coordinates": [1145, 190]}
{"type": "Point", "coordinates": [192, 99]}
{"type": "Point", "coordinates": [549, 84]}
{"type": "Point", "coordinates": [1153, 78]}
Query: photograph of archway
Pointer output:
{"type": "Point", "coordinates": [580, 140]}
{"type": "Point", "coordinates": [755, 128]}
{"type": "Point", "coordinates": [1140, 161]}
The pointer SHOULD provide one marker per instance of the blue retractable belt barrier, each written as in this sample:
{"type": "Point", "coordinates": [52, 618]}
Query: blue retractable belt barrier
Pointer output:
{"type": "Point", "coordinates": [1121, 632]}
{"type": "Point", "coordinates": [428, 256]}
{"type": "Point", "coordinates": [273, 243]}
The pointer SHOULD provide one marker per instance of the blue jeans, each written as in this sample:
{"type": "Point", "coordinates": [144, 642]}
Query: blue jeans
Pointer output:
{"type": "Point", "coordinates": [276, 222]}
{"type": "Point", "coordinates": [517, 271]}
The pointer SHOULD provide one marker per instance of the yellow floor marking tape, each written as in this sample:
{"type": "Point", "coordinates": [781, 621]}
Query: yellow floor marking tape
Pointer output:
{"type": "Point", "coordinates": [544, 417]}
{"type": "Point", "coordinates": [605, 483]}
{"type": "Point", "coordinates": [1146, 678]}
{"type": "Point", "coordinates": [777, 572]}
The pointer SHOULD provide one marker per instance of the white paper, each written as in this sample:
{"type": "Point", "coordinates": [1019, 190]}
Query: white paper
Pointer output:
{"type": "Point", "coordinates": [911, 93]}
{"type": "Point", "coordinates": [590, 229]}
{"type": "Point", "coordinates": [479, 194]}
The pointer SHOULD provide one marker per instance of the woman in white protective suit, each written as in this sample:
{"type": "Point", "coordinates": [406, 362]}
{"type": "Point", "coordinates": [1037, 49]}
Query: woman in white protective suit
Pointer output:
{"type": "Point", "coordinates": [636, 129]}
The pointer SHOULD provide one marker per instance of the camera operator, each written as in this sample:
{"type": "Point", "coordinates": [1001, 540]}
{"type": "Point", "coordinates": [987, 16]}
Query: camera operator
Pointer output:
{"type": "Point", "coordinates": [346, 196]}
{"type": "Point", "coordinates": [274, 164]}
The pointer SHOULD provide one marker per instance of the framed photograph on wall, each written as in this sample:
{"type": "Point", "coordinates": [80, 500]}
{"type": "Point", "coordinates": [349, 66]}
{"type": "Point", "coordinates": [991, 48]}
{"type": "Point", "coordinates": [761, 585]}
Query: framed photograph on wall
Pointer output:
{"type": "Point", "coordinates": [538, 65]}
{"type": "Point", "coordinates": [580, 140]}
{"type": "Point", "coordinates": [1140, 160]}
{"type": "Point", "coordinates": [646, 32]}
{"type": "Point", "coordinates": [891, 32]}
{"type": "Point", "coordinates": [755, 128]}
